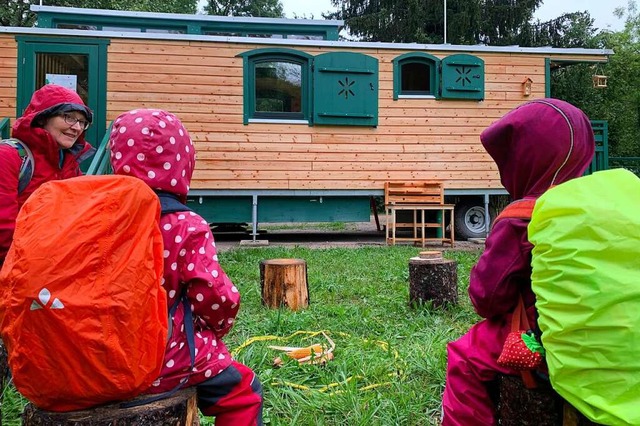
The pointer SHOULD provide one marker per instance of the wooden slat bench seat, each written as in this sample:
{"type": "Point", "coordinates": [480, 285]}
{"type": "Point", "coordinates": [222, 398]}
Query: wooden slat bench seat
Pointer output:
{"type": "Point", "coordinates": [418, 197]}
{"type": "Point", "coordinates": [179, 409]}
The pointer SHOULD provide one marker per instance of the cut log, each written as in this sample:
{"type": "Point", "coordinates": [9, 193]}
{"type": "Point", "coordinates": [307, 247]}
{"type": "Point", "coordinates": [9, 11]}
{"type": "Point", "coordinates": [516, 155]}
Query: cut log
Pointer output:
{"type": "Point", "coordinates": [180, 409]}
{"type": "Point", "coordinates": [284, 283]}
{"type": "Point", "coordinates": [542, 406]}
{"type": "Point", "coordinates": [433, 278]}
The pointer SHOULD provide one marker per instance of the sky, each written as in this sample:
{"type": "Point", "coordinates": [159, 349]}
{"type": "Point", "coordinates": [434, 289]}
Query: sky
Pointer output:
{"type": "Point", "coordinates": [600, 10]}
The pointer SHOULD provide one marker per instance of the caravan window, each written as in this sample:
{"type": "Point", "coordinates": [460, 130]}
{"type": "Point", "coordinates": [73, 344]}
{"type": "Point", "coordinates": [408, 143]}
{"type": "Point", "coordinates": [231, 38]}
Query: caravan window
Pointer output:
{"type": "Point", "coordinates": [277, 85]}
{"type": "Point", "coordinates": [278, 89]}
{"type": "Point", "coordinates": [415, 79]}
{"type": "Point", "coordinates": [416, 75]}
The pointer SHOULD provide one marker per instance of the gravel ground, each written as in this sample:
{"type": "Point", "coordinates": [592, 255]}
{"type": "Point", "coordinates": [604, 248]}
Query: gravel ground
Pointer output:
{"type": "Point", "coordinates": [358, 234]}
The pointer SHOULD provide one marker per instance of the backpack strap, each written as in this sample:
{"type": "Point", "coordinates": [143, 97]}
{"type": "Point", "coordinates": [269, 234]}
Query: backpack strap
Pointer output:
{"type": "Point", "coordinates": [27, 164]}
{"type": "Point", "coordinates": [170, 203]}
{"type": "Point", "coordinates": [519, 321]}
{"type": "Point", "coordinates": [191, 343]}
{"type": "Point", "coordinates": [520, 209]}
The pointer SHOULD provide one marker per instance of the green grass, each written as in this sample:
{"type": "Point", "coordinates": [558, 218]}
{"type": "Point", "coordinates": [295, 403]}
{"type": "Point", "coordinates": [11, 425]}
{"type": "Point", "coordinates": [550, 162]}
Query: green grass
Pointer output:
{"type": "Point", "coordinates": [390, 358]}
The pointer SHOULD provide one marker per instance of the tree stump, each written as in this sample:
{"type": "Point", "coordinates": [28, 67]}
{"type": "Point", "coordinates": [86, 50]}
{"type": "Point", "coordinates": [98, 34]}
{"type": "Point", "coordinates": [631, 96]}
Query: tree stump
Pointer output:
{"type": "Point", "coordinates": [284, 283]}
{"type": "Point", "coordinates": [542, 406]}
{"type": "Point", "coordinates": [433, 278]}
{"type": "Point", "coordinates": [180, 409]}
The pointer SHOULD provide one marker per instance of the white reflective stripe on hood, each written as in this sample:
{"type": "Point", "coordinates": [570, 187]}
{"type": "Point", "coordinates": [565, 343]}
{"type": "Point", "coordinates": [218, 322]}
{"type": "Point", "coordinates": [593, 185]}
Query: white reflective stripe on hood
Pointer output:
{"type": "Point", "coordinates": [571, 133]}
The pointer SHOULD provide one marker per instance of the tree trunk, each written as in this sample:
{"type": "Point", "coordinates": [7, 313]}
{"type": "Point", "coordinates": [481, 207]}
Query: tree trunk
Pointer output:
{"type": "Point", "coordinates": [542, 406]}
{"type": "Point", "coordinates": [433, 278]}
{"type": "Point", "coordinates": [284, 283]}
{"type": "Point", "coordinates": [180, 409]}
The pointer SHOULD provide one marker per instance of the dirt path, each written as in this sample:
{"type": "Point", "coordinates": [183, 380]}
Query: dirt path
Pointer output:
{"type": "Point", "coordinates": [358, 234]}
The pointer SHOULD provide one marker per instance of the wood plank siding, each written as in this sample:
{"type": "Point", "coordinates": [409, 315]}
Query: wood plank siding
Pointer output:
{"type": "Point", "coordinates": [8, 76]}
{"type": "Point", "coordinates": [202, 82]}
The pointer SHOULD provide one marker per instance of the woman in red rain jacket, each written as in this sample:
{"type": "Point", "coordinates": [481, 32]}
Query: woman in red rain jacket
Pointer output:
{"type": "Point", "coordinates": [53, 128]}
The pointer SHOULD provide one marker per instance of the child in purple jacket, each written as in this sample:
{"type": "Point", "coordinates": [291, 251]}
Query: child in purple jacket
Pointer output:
{"type": "Point", "coordinates": [154, 146]}
{"type": "Point", "coordinates": [540, 144]}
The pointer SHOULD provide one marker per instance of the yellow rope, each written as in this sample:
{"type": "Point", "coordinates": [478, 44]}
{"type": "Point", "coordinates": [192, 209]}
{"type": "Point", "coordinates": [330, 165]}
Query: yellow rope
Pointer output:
{"type": "Point", "coordinates": [381, 343]}
{"type": "Point", "coordinates": [270, 337]}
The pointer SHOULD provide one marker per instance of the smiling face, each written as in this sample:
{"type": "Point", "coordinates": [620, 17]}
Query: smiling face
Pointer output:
{"type": "Point", "coordinates": [63, 133]}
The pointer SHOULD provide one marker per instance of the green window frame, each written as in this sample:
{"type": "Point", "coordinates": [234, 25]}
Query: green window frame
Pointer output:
{"type": "Point", "coordinates": [407, 70]}
{"type": "Point", "coordinates": [291, 71]}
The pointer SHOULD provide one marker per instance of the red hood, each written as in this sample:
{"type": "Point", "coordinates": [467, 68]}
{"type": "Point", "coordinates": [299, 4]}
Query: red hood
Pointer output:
{"type": "Point", "coordinates": [539, 144]}
{"type": "Point", "coordinates": [37, 138]}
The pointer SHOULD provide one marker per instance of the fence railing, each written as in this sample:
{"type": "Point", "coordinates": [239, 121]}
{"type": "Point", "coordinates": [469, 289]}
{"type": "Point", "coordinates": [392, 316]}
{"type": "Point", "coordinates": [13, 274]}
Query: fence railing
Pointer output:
{"type": "Point", "coordinates": [629, 163]}
{"type": "Point", "coordinates": [601, 157]}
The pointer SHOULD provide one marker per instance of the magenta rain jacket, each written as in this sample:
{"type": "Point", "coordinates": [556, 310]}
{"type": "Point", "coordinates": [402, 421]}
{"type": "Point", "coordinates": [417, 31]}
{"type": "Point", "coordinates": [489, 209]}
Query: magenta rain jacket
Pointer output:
{"type": "Point", "coordinates": [154, 146]}
{"type": "Point", "coordinates": [525, 146]}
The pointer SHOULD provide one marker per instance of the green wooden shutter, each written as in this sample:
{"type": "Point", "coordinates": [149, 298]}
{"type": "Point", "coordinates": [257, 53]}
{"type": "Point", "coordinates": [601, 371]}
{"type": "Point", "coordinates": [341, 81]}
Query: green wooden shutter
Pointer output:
{"type": "Point", "coordinates": [463, 77]}
{"type": "Point", "coordinates": [345, 89]}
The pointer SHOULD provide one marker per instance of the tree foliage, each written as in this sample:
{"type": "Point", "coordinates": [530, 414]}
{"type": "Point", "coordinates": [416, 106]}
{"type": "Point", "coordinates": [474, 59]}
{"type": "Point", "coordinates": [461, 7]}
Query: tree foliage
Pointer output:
{"type": "Point", "coordinates": [257, 8]}
{"type": "Point", "coordinates": [16, 13]}
{"type": "Point", "coordinates": [497, 22]}
{"type": "Point", "coordinates": [619, 102]}
{"type": "Point", "coordinates": [568, 30]}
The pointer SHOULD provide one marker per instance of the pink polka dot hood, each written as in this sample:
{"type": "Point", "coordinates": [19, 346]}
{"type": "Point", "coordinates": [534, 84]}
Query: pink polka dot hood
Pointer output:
{"type": "Point", "coordinates": [154, 146]}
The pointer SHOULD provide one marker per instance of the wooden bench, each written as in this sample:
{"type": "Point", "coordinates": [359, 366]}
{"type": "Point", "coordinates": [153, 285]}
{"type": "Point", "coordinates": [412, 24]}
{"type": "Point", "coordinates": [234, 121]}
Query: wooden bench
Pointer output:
{"type": "Point", "coordinates": [179, 409]}
{"type": "Point", "coordinates": [418, 197]}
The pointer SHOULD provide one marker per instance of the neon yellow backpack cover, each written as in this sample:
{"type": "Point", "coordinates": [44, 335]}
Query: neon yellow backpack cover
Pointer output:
{"type": "Point", "coordinates": [586, 277]}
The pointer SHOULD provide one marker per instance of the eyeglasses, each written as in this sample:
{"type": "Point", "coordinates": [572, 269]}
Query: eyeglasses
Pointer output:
{"type": "Point", "coordinates": [71, 120]}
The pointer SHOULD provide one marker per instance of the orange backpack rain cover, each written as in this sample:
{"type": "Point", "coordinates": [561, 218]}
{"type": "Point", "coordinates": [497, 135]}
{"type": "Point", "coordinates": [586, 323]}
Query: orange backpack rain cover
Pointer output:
{"type": "Point", "coordinates": [83, 313]}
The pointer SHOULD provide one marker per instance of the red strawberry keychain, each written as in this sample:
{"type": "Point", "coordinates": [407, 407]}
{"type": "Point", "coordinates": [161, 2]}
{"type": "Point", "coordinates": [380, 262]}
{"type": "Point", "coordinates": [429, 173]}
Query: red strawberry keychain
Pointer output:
{"type": "Point", "coordinates": [521, 351]}
{"type": "Point", "coordinates": [521, 342]}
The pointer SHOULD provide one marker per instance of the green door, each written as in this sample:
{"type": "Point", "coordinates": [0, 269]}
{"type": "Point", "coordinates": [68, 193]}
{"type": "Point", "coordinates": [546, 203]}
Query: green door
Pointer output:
{"type": "Point", "coordinates": [77, 63]}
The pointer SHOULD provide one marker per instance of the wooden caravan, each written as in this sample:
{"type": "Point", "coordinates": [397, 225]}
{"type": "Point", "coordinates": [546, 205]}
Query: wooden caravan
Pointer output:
{"type": "Point", "coordinates": [290, 124]}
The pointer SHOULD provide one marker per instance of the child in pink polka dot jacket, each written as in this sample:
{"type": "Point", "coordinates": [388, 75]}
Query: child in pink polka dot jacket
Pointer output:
{"type": "Point", "coordinates": [154, 146]}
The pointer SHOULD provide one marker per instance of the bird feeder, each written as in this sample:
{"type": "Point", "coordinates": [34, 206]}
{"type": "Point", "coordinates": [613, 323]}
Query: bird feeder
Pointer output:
{"type": "Point", "coordinates": [526, 86]}
{"type": "Point", "coordinates": [599, 81]}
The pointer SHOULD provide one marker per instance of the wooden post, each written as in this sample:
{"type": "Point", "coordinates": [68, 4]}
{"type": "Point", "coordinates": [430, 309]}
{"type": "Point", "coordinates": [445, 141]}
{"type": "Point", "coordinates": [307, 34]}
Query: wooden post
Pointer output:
{"type": "Point", "coordinates": [542, 406]}
{"type": "Point", "coordinates": [180, 409]}
{"type": "Point", "coordinates": [284, 283]}
{"type": "Point", "coordinates": [433, 278]}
